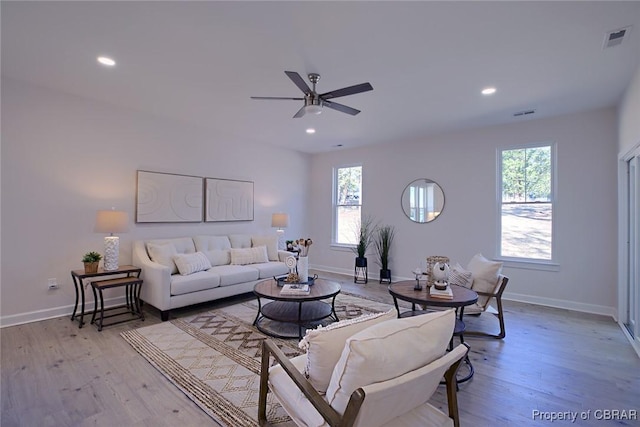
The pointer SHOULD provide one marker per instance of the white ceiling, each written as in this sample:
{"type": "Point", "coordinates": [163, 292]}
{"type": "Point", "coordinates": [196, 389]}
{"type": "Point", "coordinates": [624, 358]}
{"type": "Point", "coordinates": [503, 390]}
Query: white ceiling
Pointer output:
{"type": "Point", "coordinates": [199, 62]}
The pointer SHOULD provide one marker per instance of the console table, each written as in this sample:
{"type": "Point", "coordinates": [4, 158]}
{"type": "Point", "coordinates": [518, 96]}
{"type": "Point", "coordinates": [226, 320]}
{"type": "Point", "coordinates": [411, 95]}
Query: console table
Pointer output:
{"type": "Point", "coordinates": [79, 276]}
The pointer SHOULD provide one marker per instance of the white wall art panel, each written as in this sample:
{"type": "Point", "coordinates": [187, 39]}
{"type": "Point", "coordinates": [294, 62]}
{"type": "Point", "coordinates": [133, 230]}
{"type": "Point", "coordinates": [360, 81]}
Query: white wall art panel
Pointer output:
{"type": "Point", "coordinates": [228, 200]}
{"type": "Point", "coordinates": [163, 197]}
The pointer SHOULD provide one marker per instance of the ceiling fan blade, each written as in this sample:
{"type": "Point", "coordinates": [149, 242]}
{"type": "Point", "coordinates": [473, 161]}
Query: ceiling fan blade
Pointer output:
{"type": "Point", "coordinates": [298, 81]}
{"type": "Point", "coordinates": [340, 107]}
{"type": "Point", "coordinates": [351, 90]}
{"type": "Point", "coordinates": [300, 113]}
{"type": "Point", "coordinates": [277, 97]}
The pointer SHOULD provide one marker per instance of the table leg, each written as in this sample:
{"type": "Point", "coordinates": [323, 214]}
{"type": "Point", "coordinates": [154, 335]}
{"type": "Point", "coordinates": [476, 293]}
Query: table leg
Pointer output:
{"type": "Point", "coordinates": [333, 308]}
{"type": "Point", "coordinates": [101, 310]}
{"type": "Point", "coordinates": [300, 320]}
{"type": "Point", "coordinates": [82, 312]}
{"type": "Point", "coordinates": [95, 304]}
{"type": "Point", "coordinates": [255, 322]}
{"type": "Point", "coordinates": [75, 306]}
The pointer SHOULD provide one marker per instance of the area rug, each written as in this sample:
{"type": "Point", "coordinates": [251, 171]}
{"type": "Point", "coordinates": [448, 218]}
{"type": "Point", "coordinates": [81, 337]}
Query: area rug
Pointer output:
{"type": "Point", "coordinates": [214, 357]}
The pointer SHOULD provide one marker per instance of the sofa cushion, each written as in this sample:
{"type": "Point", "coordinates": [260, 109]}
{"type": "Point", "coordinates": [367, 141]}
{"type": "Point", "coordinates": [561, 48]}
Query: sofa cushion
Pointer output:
{"type": "Point", "coordinates": [163, 253]}
{"type": "Point", "coordinates": [324, 345]}
{"type": "Point", "coordinates": [271, 242]}
{"type": "Point", "coordinates": [232, 274]}
{"type": "Point", "coordinates": [249, 255]}
{"type": "Point", "coordinates": [191, 263]}
{"type": "Point", "coordinates": [206, 243]}
{"type": "Point", "coordinates": [485, 276]}
{"type": "Point", "coordinates": [411, 343]}
{"type": "Point", "coordinates": [270, 269]}
{"type": "Point", "coordinates": [240, 241]}
{"type": "Point", "coordinates": [194, 282]}
{"type": "Point", "coordinates": [219, 257]}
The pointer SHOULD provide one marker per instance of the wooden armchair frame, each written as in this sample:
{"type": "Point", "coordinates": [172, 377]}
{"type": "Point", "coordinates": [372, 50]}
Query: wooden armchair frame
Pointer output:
{"type": "Point", "coordinates": [498, 297]}
{"type": "Point", "coordinates": [331, 416]}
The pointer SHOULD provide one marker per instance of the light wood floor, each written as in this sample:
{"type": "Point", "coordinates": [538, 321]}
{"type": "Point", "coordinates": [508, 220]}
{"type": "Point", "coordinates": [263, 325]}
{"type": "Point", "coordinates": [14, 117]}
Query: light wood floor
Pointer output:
{"type": "Point", "coordinates": [552, 360]}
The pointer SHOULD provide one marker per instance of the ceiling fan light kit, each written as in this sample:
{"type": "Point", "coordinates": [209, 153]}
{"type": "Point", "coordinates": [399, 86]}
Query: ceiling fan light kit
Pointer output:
{"type": "Point", "coordinates": [314, 102]}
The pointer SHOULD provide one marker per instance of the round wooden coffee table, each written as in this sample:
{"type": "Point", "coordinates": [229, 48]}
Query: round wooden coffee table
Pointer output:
{"type": "Point", "coordinates": [301, 311]}
{"type": "Point", "coordinates": [462, 297]}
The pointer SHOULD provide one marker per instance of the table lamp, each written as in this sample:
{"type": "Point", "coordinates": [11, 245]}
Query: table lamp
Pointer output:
{"type": "Point", "coordinates": [111, 222]}
{"type": "Point", "coordinates": [280, 221]}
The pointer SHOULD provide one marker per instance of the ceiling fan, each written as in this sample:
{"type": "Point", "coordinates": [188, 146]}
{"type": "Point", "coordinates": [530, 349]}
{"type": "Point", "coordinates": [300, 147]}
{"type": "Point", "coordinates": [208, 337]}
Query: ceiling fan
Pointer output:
{"type": "Point", "coordinates": [313, 102]}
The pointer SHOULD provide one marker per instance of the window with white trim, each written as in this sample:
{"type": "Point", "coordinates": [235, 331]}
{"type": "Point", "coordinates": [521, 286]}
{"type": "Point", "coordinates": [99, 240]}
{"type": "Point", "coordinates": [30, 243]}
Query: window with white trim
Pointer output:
{"type": "Point", "coordinates": [526, 202]}
{"type": "Point", "coordinates": [347, 204]}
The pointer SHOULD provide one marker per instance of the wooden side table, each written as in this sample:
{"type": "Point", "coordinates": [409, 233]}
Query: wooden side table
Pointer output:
{"type": "Point", "coordinates": [79, 275]}
{"type": "Point", "coordinates": [132, 306]}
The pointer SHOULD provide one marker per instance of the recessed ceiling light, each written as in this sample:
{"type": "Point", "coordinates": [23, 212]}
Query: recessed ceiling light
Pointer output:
{"type": "Point", "coordinates": [105, 60]}
{"type": "Point", "coordinates": [311, 130]}
{"type": "Point", "coordinates": [488, 90]}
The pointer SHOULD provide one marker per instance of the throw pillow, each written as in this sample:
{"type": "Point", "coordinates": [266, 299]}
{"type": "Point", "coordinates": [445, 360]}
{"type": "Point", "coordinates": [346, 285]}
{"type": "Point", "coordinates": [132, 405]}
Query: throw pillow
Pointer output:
{"type": "Point", "coordinates": [388, 350]}
{"type": "Point", "coordinates": [163, 254]}
{"type": "Point", "coordinates": [485, 276]}
{"type": "Point", "coordinates": [191, 263]}
{"type": "Point", "coordinates": [249, 255]}
{"type": "Point", "coordinates": [324, 345]}
{"type": "Point", "coordinates": [271, 242]}
{"type": "Point", "coordinates": [459, 276]}
{"type": "Point", "coordinates": [219, 257]}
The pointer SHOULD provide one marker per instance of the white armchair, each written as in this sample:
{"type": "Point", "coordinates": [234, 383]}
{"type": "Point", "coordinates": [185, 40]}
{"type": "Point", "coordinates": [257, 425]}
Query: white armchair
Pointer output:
{"type": "Point", "coordinates": [385, 376]}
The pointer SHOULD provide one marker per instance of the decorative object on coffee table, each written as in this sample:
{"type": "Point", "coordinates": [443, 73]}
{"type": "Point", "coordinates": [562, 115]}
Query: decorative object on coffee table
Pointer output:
{"type": "Point", "coordinates": [431, 261]}
{"type": "Point", "coordinates": [382, 241]}
{"type": "Point", "coordinates": [440, 272]}
{"type": "Point", "coordinates": [418, 273]}
{"type": "Point", "coordinates": [112, 221]}
{"type": "Point", "coordinates": [91, 261]}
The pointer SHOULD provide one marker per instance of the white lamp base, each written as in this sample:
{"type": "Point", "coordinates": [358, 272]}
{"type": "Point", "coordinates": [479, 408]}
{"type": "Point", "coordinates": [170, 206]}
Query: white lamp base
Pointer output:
{"type": "Point", "coordinates": [111, 252]}
{"type": "Point", "coordinates": [281, 241]}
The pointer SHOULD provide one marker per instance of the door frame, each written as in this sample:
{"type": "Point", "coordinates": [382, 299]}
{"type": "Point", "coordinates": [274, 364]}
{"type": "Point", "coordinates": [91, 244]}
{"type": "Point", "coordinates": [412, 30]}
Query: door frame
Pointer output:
{"type": "Point", "coordinates": [623, 259]}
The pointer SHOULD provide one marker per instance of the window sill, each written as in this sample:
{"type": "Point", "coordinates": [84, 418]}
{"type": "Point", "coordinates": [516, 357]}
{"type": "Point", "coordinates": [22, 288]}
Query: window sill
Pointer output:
{"type": "Point", "coordinates": [529, 264]}
{"type": "Point", "coordinates": [341, 247]}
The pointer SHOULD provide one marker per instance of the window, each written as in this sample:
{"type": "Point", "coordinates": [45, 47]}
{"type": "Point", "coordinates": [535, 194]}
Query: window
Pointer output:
{"type": "Point", "coordinates": [526, 186]}
{"type": "Point", "coordinates": [347, 204]}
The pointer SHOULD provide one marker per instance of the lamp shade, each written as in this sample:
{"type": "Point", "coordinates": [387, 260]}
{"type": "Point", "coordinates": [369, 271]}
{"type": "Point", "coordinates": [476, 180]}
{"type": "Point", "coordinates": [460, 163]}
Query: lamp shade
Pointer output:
{"type": "Point", "coordinates": [280, 220]}
{"type": "Point", "coordinates": [112, 222]}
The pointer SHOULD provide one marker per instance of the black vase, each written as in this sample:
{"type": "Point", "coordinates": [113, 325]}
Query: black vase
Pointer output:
{"type": "Point", "coordinates": [360, 274]}
{"type": "Point", "coordinates": [385, 275]}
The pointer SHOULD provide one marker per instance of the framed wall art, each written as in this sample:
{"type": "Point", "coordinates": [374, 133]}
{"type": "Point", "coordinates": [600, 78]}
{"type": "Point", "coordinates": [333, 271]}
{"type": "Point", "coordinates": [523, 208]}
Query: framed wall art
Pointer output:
{"type": "Point", "coordinates": [165, 197]}
{"type": "Point", "coordinates": [228, 200]}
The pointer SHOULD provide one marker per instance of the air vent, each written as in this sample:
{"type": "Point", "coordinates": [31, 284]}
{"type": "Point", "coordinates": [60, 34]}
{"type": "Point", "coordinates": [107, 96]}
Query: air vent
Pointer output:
{"type": "Point", "coordinates": [523, 113]}
{"type": "Point", "coordinates": [615, 37]}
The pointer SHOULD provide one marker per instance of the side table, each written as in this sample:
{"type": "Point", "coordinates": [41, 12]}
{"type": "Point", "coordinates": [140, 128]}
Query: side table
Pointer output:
{"type": "Point", "coordinates": [132, 306]}
{"type": "Point", "coordinates": [79, 275]}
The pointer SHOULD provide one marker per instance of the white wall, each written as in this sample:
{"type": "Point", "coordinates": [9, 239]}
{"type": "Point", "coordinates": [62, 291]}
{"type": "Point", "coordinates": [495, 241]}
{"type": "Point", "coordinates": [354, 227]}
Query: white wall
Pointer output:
{"type": "Point", "coordinates": [464, 164]}
{"type": "Point", "coordinates": [629, 116]}
{"type": "Point", "coordinates": [64, 158]}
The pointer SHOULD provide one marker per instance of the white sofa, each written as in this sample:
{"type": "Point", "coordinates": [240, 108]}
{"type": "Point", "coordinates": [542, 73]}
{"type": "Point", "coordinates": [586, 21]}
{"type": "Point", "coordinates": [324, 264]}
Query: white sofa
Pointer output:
{"type": "Point", "coordinates": [183, 271]}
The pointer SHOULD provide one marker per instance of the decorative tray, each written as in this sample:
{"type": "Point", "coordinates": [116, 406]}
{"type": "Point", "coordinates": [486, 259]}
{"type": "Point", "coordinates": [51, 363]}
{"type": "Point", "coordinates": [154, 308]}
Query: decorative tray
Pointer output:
{"type": "Point", "coordinates": [281, 280]}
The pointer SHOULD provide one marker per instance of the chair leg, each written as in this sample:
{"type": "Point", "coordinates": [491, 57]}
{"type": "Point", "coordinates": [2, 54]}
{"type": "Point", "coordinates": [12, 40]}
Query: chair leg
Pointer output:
{"type": "Point", "coordinates": [501, 320]}
{"type": "Point", "coordinates": [264, 387]}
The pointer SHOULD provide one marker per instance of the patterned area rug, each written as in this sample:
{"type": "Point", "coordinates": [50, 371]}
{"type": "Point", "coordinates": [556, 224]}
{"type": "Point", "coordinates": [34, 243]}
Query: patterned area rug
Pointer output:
{"type": "Point", "coordinates": [214, 357]}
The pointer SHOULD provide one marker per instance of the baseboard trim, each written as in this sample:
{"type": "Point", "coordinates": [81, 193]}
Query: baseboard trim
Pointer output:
{"type": "Point", "coordinates": [530, 299]}
{"type": "Point", "coordinates": [52, 313]}
{"type": "Point", "coordinates": [560, 303]}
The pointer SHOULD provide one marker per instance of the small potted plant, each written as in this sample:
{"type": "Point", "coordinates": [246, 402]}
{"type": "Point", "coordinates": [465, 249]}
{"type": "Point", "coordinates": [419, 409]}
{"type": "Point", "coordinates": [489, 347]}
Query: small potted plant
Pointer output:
{"type": "Point", "coordinates": [91, 261]}
{"type": "Point", "coordinates": [382, 241]}
{"type": "Point", "coordinates": [364, 237]}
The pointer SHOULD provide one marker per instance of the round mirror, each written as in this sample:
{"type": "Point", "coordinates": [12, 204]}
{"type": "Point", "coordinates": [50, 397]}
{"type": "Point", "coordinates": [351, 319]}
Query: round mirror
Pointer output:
{"type": "Point", "coordinates": [422, 200]}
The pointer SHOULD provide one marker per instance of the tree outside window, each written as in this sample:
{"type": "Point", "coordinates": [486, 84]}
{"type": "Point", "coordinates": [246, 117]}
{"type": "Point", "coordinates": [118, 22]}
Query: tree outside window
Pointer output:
{"type": "Point", "coordinates": [526, 203]}
{"type": "Point", "coordinates": [347, 203]}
